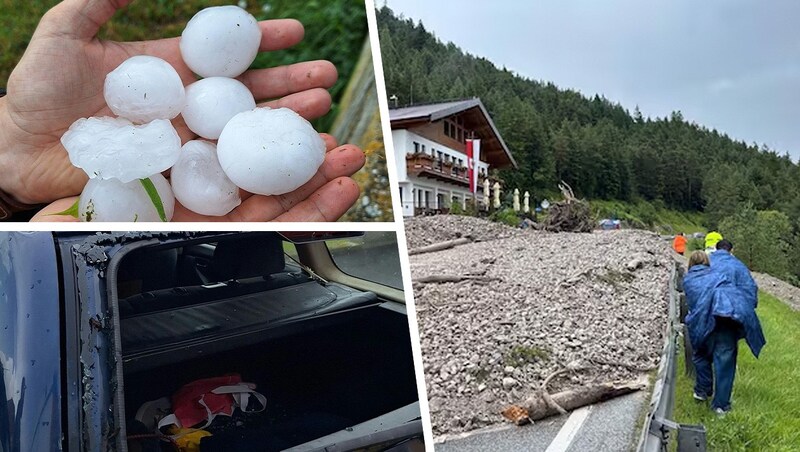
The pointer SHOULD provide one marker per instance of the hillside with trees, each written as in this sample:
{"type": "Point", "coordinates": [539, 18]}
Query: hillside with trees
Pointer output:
{"type": "Point", "coordinates": [602, 150]}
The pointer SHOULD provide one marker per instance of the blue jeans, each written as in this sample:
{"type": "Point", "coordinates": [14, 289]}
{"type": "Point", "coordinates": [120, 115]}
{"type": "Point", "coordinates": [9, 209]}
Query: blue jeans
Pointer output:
{"type": "Point", "coordinates": [720, 349]}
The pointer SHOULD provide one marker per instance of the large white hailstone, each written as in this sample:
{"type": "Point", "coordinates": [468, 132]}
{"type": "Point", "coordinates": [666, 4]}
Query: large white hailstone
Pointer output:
{"type": "Point", "coordinates": [212, 102]}
{"type": "Point", "coordinates": [221, 41]}
{"type": "Point", "coordinates": [144, 88]}
{"type": "Point", "coordinates": [199, 182]}
{"type": "Point", "coordinates": [270, 151]}
{"type": "Point", "coordinates": [116, 148]}
{"type": "Point", "coordinates": [112, 200]}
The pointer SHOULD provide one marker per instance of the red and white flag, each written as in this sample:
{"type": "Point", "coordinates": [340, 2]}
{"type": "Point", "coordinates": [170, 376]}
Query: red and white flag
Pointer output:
{"type": "Point", "coordinates": [473, 157]}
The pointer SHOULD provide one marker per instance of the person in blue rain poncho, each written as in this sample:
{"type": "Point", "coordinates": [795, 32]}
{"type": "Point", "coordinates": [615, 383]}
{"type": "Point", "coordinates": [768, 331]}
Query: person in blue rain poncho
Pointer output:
{"type": "Point", "coordinates": [723, 261]}
{"type": "Point", "coordinates": [720, 313]}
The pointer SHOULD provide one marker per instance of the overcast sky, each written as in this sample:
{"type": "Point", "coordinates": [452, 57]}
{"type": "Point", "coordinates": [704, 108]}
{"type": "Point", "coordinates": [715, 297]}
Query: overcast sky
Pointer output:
{"type": "Point", "coordinates": [733, 65]}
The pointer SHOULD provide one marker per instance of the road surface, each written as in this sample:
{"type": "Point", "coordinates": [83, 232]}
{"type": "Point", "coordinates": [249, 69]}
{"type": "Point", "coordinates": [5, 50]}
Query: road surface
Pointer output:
{"type": "Point", "coordinates": [608, 427]}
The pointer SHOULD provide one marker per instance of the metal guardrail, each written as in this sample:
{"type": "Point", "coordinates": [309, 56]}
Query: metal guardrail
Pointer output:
{"type": "Point", "coordinates": [658, 425]}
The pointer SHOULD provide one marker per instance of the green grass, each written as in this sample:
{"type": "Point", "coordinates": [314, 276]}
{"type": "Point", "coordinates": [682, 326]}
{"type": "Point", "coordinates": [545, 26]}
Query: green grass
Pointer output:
{"type": "Point", "coordinates": [647, 215]}
{"type": "Point", "coordinates": [335, 31]}
{"type": "Point", "coordinates": [766, 394]}
{"type": "Point", "coordinates": [520, 355]}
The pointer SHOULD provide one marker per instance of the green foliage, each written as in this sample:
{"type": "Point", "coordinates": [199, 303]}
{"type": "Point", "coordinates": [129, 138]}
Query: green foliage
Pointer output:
{"type": "Point", "coordinates": [645, 215]}
{"type": "Point", "coordinates": [155, 198]}
{"type": "Point", "coordinates": [72, 211]}
{"type": "Point", "coordinates": [764, 390]}
{"type": "Point", "coordinates": [592, 143]}
{"type": "Point", "coordinates": [761, 239]}
{"type": "Point", "coordinates": [505, 216]}
{"type": "Point", "coordinates": [695, 245]}
{"type": "Point", "coordinates": [457, 209]}
{"type": "Point", "coordinates": [335, 31]}
{"type": "Point", "coordinates": [519, 355]}
{"type": "Point", "coordinates": [665, 174]}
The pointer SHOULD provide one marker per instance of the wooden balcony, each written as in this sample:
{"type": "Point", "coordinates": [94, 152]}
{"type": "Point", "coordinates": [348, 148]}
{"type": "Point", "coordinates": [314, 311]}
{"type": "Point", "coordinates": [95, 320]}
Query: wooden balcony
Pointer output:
{"type": "Point", "coordinates": [424, 165]}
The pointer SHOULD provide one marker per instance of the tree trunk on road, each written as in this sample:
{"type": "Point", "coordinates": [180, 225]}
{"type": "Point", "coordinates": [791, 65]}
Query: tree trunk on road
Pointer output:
{"type": "Point", "coordinates": [536, 407]}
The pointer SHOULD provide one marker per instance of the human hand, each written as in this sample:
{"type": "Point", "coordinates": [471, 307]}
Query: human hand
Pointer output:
{"type": "Point", "coordinates": [326, 197]}
{"type": "Point", "coordinates": [60, 79]}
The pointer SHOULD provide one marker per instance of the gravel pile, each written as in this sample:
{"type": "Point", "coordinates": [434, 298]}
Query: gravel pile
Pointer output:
{"type": "Point", "coordinates": [542, 301]}
{"type": "Point", "coordinates": [788, 293]}
{"type": "Point", "coordinates": [422, 231]}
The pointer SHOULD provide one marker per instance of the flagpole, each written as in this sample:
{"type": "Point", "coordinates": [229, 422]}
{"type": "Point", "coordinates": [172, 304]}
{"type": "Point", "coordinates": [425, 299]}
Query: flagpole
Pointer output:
{"type": "Point", "coordinates": [473, 176]}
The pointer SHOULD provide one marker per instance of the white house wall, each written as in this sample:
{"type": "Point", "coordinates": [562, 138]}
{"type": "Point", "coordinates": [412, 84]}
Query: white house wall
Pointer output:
{"type": "Point", "coordinates": [404, 140]}
{"type": "Point", "coordinates": [401, 143]}
{"type": "Point", "coordinates": [413, 190]}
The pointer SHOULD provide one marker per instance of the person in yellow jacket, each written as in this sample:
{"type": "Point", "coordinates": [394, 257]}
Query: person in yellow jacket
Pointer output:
{"type": "Point", "coordinates": [711, 241]}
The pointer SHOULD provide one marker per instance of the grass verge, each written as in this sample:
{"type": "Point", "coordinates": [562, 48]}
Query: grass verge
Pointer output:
{"type": "Point", "coordinates": [766, 393]}
{"type": "Point", "coordinates": [647, 215]}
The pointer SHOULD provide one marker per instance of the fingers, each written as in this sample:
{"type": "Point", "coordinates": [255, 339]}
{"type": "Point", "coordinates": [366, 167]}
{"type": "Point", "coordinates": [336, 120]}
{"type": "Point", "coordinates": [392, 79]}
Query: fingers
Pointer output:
{"type": "Point", "coordinates": [330, 141]}
{"type": "Point", "coordinates": [310, 104]}
{"type": "Point", "coordinates": [280, 81]}
{"type": "Point", "coordinates": [79, 19]}
{"type": "Point", "coordinates": [328, 203]}
{"type": "Point", "coordinates": [342, 161]}
{"type": "Point", "coordinates": [339, 162]}
{"type": "Point", "coordinates": [279, 34]}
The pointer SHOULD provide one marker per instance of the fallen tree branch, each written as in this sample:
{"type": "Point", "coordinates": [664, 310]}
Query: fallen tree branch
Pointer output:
{"type": "Point", "coordinates": [535, 407]}
{"type": "Point", "coordinates": [440, 246]}
{"type": "Point", "coordinates": [548, 399]}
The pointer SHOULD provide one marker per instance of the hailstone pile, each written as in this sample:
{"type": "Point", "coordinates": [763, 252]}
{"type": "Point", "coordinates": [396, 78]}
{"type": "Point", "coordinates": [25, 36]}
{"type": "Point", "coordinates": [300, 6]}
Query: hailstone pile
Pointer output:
{"type": "Point", "coordinates": [261, 150]}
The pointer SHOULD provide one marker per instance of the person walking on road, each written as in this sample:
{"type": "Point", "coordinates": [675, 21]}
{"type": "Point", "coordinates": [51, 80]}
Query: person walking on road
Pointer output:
{"type": "Point", "coordinates": [679, 244]}
{"type": "Point", "coordinates": [724, 261]}
{"type": "Point", "coordinates": [712, 238]}
{"type": "Point", "coordinates": [719, 315]}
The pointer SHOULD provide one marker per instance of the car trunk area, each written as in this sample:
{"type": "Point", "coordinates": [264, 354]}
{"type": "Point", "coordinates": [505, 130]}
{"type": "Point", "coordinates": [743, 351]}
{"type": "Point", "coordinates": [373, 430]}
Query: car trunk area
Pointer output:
{"type": "Point", "coordinates": [320, 375]}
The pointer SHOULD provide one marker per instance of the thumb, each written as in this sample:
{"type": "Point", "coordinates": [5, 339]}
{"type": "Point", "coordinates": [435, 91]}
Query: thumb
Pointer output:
{"type": "Point", "coordinates": [78, 19]}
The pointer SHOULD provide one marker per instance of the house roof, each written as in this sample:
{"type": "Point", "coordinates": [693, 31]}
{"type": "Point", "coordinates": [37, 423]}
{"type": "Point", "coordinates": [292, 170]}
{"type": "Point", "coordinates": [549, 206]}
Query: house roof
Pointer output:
{"type": "Point", "coordinates": [492, 144]}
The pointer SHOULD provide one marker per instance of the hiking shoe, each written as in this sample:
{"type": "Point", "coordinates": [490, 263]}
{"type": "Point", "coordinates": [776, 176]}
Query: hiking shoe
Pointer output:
{"type": "Point", "coordinates": [720, 412]}
{"type": "Point", "coordinates": [153, 411]}
{"type": "Point", "coordinates": [699, 397]}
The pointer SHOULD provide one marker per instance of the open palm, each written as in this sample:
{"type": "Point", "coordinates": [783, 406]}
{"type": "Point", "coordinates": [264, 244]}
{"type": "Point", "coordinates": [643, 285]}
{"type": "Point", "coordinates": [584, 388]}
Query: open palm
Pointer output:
{"type": "Point", "coordinates": [60, 79]}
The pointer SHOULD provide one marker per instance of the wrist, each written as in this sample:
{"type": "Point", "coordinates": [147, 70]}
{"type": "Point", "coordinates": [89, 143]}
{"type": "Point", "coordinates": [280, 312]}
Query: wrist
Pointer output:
{"type": "Point", "coordinates": [9, 202]}
{"type": "Point", "coordinates": [6, 175]}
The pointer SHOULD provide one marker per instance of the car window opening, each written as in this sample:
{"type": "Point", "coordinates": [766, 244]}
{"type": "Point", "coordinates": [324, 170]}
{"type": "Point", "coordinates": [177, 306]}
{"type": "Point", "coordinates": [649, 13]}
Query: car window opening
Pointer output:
{"type": "Point", "coordinates": [324, 356]}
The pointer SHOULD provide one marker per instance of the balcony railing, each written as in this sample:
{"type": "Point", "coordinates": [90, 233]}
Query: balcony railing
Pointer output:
{"type": "Point", "coordinates": [425, 165]}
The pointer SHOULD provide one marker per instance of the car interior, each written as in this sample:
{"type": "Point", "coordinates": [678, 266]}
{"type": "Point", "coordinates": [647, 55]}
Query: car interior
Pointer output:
{"type": "Point", "coordinates": [325, 355]}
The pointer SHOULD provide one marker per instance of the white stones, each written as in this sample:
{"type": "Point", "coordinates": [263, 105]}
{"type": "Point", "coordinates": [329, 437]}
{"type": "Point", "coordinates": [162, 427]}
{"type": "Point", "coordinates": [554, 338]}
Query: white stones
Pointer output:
{"type": "Point", "coordinates": [144, 88]}
{"type": "Point", "coordinates": [509, 383]}
{"type": "Point", "coordinates": [115, 148]}
{"type": "Point", "coordinates": [221, 41]}
{"type": "Point", "coordinates": [199, 183]}
{"type": "Point", "coordinates": [112, 200]}
{"type": "Point", "coordinates": [270, 151]}
{"type": "Point", "coordinates": [212, 102]}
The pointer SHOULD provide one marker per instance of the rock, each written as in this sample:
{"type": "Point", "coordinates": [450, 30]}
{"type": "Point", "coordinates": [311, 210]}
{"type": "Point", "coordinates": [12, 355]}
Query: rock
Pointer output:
{"type": "Point", "coordinates": [509, 369]}
{"type": "Point", "coordinates": [634, 264]}
{"type": "Point", "coordinates": [509, 383]}
{"type": "Point", "coordinates": [435, 404]}
{"type": "Point", "coordinates": [481, 387]}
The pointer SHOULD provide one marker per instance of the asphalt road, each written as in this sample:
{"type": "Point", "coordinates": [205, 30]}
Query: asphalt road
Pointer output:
{"type": "Point", "coordinates": [609, 427]}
